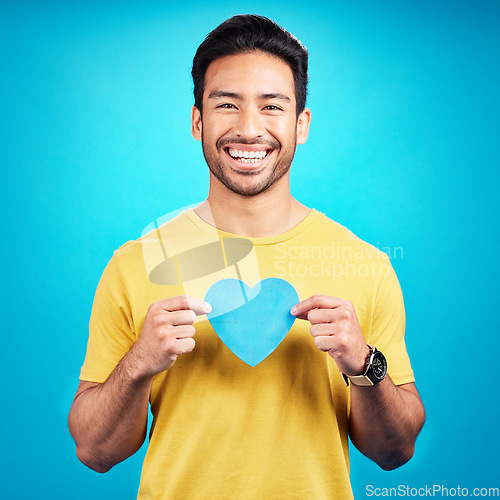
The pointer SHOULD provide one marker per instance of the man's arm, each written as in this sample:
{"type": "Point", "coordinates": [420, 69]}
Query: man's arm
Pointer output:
{"type": "Point", "coordinates": [385, 419]}
{"type": "Point", "coordinates": [108, 421]}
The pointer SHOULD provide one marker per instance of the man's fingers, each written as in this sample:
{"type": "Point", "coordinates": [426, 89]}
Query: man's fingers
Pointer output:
{"type": "Point", "coordinates": [322, 329]}
{"type": "Point", "coordinates": [185, 302]}
{"type": "Point", "coordinates": [184, 345]}
{"type": "Point", "coordinates": [184, 331]}
{"type": "Point", "coordinates": [183, 317]}
{"type": "Point", "coordinates": [317, 301]}
{"type": "Point", "coordinates": [323, 343]}
{"type": "Point", "coordinates": [316, 316]}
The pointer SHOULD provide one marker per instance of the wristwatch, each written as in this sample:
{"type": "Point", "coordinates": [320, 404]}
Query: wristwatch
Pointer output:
{"type": "Point", "coordinates": [375, 371]}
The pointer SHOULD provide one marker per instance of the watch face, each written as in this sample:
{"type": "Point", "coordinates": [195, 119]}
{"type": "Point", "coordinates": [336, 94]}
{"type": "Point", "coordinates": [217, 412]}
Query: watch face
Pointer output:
{"type": "Point", "coordinates": [379, 365]}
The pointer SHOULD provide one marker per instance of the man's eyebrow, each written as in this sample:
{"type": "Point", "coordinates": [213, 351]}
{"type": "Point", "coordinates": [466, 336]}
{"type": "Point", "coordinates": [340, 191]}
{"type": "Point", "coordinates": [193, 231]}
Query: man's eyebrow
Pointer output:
{"type": "Point", "coordinates": [216, 94]}
{"type": "Point", "coordinates": [275, 95]}
{"type": "Point", "coordinates": [223, 93]}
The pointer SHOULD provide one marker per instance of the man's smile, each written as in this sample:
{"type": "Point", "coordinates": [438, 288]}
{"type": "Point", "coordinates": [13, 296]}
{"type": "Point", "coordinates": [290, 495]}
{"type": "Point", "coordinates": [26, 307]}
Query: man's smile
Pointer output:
{"type": "Point", "coordinates": [248, 157]}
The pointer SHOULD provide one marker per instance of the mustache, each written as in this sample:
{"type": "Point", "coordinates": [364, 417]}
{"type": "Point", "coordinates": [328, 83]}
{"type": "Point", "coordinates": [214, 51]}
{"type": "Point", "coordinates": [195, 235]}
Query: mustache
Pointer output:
{"type": "Point", "coordinates": [221, 143]}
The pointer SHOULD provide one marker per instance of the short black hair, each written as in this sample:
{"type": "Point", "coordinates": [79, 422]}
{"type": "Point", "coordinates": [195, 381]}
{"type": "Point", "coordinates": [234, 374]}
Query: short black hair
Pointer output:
{"type": "Point", "coordinates": [248, 33]}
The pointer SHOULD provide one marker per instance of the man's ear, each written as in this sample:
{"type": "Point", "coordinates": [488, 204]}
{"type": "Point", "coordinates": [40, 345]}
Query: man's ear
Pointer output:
{"type": "Point", "coordinates": [303, 122]}
{"type": "Point", "coordinates": [196, 123]}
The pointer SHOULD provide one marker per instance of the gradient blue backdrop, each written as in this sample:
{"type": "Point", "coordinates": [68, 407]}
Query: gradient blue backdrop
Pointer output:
{"type": "Point", "coordinates": [95, 144]}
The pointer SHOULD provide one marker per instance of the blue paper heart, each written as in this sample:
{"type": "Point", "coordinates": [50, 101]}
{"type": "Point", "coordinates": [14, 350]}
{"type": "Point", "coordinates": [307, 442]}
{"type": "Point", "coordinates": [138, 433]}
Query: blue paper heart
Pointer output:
{"type": "Point", "coordinates": [251, 322]}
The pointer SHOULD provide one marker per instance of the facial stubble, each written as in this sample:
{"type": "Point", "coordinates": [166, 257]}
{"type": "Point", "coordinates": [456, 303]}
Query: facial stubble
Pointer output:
{"type": "Point", "coordinates": [278, 170]}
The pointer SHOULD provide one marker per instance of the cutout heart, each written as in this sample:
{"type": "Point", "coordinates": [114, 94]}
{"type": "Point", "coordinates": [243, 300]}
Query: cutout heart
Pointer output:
{"type": "Point", "coordinates": [252, 322]}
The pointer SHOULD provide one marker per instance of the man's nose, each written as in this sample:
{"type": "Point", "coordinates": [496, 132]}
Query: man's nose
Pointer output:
{"type": "Point", "coordinates": [249, 124]}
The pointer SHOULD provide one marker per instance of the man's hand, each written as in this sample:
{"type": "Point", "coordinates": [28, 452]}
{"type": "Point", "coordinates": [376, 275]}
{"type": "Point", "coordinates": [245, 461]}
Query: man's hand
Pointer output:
{"type": "Point", "coordinates": [385, 419]}
{"type": "Point", "coordinates": [335, 328]}
{"type": "Point", "coordinates": [167, 333]}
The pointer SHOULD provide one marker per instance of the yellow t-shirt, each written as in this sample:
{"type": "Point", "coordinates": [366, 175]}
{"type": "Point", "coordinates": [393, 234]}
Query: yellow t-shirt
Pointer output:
{"type": "Point", "coordinates": [223, 429]}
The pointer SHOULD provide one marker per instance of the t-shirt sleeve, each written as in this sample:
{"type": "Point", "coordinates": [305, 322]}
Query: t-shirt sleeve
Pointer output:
{"type": "Point", "coordinates": [388, 327]}
{"type": "Point", "coordinates": [111, 327]}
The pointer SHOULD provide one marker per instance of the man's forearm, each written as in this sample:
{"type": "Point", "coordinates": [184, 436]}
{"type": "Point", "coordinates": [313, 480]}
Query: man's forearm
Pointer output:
{"type": "Point", "coordinates": [109, 421]}
{"type": "Point", "coordinates": [385, 421]}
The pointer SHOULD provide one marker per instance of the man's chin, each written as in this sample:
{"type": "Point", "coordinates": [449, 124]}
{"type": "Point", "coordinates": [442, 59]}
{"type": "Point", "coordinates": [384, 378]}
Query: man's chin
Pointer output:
{"type": "Point", "coordinates": [247, 172]}
{"type": "Point", "coordinates": [246, 182]}
{"type": "Point", "coordinates": [248, 190]}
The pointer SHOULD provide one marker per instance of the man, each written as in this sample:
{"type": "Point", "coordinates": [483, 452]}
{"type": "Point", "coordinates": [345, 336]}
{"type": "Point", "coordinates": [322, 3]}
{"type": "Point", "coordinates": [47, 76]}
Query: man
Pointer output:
{"type": "Point", "coordinates": [257, 399]}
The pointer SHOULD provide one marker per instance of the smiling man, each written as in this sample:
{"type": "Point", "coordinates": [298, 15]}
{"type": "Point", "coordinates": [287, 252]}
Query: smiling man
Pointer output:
{"type": "Point", "coordinates": [257, 399]}
{"type": "Point", "coordinates": [249, 152]}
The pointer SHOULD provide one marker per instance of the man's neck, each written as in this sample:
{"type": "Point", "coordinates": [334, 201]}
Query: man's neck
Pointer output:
{"type": "Point", "coordinates": [270, 213]}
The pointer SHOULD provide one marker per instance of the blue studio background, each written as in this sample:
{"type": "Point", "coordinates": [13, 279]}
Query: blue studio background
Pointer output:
{"type": "Point", "coordinates": [95, 144]}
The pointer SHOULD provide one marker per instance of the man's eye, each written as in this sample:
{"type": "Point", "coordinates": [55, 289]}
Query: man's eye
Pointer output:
{"type": "Point", "coordinates": [272, 107]}
{"type": "Point", "coordinates": [226, 106]}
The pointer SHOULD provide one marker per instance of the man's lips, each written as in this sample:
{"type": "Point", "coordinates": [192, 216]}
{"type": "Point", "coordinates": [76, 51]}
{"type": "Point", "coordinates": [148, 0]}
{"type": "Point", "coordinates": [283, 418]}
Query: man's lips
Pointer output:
{"type": "Point", "coordinates": [247, 156]}
{"type": "Point", "coordinates": [240, 152]}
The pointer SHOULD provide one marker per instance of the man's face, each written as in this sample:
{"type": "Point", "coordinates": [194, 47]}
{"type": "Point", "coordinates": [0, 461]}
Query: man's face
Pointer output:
{"type": "Point", "coordinates": [249, 128]}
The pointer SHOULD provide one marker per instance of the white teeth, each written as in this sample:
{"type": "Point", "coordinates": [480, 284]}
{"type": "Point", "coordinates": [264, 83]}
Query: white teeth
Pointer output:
{"type": "Point", "coordinates": [249, 160]}
{"type": "Point", "coordinates": [251, 156]}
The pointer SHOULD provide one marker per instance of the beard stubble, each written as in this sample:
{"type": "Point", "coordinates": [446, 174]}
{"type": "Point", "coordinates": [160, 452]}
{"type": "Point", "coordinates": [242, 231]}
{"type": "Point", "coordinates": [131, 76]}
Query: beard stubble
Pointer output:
{"type": "Point", "coordinates": [278, 170]}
